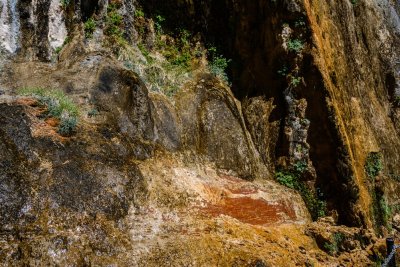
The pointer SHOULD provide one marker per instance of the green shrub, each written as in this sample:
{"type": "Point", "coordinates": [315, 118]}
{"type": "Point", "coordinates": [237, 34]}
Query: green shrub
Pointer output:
{"type": "Point", "coordinates": [218, 64]}
{"type": "Point", "coordinates": [300, 166]}
{"type": "Point", "coordinates": [291, 179]}
{"type": "Point", "coordinates": [145, 53]}
{"type": "Point", "coordinates": [373, 165]}
{"type": "Point", "coordinates": [139, 13]}
{"type": "Point", "coordinates": [67, 125]}
{"type": "Point", "coordinates": [386, 211]}
{"type": "Point", "coordinates": [295, 81]}
{"type": "Point", "coordinates": [114, 26]}
{"type": "Point", "coordinates": [218, 67]}
{"type": "Point", "coordinates": [284, 71]}
{"type": "Point", "coordinates": [159, 20]}
{"type": "Point", "coordinates": [92, 113]}
{"type": "Point", "coordinates": [295, 45]}
{"type": "Point", "coordinates": [58, 49]}
{"type": "Point", "coordinates": [90, 27]}
{"type": "Point", "coordinates": [58, 105]}
{"type": "Point", "coordinates": [287, 179]}
{"type": "Point", "coordinates": [333, 246]}
{"type": "Point", "coordinates": [299, 23]}
{"type": "Point", "coordinates": [65, 3]}
{"type": "Point", "coordinates": [66, 41]}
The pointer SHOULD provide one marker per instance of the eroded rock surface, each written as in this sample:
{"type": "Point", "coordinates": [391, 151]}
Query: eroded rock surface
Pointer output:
{"type": "Point", "coordinates": [185, 175]}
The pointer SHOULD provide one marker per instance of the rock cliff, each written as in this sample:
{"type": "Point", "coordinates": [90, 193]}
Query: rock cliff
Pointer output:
{"type": "Point", "coordinates": [198, 133]}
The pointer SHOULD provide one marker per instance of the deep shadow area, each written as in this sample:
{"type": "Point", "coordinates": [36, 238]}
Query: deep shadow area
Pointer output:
{"type": "Point", "coordinates": [248, 32]}
{"type": "Point", "coordinates": [88, 7]}
{"type": "Point", "coordinates": [334, 177]}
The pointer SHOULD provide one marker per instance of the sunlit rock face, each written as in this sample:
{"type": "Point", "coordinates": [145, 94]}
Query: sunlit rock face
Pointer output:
{"type": "Point", "coordinates": [57, 28]}
{"type": "Point", "coordinates": [34, 29]}
{"type": "Point", "coordinates": [9, 25]}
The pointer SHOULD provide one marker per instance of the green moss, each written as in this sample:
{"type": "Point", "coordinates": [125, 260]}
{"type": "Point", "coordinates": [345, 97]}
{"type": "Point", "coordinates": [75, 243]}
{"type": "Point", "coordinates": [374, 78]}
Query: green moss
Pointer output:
{"type": "Point", "coordinates": [145, 53]}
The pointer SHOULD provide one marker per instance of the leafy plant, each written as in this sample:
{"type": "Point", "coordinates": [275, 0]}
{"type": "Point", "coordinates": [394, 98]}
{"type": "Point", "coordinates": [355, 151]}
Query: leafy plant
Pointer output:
{"type": "Point", "coordinates": [299, 23]}
{"type": "Point", "coordinates": [65, 3]}
{"type": "Point", "coordinates": [385, 210]}
{"type": "Point", "coordinates": [333, 246]}
{"type": "Point", "coordinates": [295, 45]}
{"type": "Point", "coordinates": [90, 27]}
{"type": "Point", "coordinates": [291, 179]}
{"type": "Point", "coordinates": [300, 166]}
{"type": "Point", "coordinates": [67, 125]}
{"type": "Point", "coordinates": [218, 64]}
{"type": "Point", "coordinates": [66, 41]}
{"type": "Point", "coordinates": [145, 52]}
{"type": "Point", "coordinates": [58, 105]}
{"type": "Point", "coordinates": [92, 113]}
{"type": "Point", "coordinates": [295, 81]}
{"type": "Point", "coordinates": [283, 71]}
{"type": "Point", "coordinates": [158, 23]}
{"type": "Point", "coordinates": [139, 13]}
{"type": "Point", "coordinates": [373, 164]}
{"type": "Point", "coordinates": [287, 179]}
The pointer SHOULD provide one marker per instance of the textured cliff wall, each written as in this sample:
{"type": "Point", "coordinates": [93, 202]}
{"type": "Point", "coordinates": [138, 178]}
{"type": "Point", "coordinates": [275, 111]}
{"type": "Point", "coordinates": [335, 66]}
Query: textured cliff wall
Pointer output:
{"type": "Point", "coordinates": [218, 126]}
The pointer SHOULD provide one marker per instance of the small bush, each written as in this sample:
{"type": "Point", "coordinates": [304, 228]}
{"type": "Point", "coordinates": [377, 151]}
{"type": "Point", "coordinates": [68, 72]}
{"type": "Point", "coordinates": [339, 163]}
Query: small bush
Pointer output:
{"type": "Point", "coordinates": [373, 165]}
{"type": "Point", "coordinates": [58, 105]}
{"type": "Point", "coordinates": [291, 179]}
{"type": "Point", "coordinates": [159, 20]}
{"type": "Point", "coordinates": [385, 210]}
{"type": "Point", "coordinates": [218, 64]}
{"type": "Point", "coordinates": [287, 179]}
{"type": "Point", "coordinates": [92, 113]}
{"type": "Point", "coordinates": [300, 166]}
{"type": "Point", "coordinates": [65, 3]}
{"type": "Point", "coordinates": [295, 81]}
{"type": "Point", "coordinates": [67, 125]}
{"type": "Point", "coordinates": [333, 246]}
{"type": "Point", "coordinates": [295, 45]}
{"type": "Point", "coordinates": [284, 71]}
{"type": "Point", "coordinates": [114, 26]}
{"type": "Point", "coordinates": [139, 13]}
{"type": "Point", "coordinates": [90, 27]}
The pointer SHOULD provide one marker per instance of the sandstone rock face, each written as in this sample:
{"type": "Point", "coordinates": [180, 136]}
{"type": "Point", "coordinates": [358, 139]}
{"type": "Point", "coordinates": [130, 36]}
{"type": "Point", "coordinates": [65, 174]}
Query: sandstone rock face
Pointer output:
{"type": "Point", "coordinates": [188, 176]}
